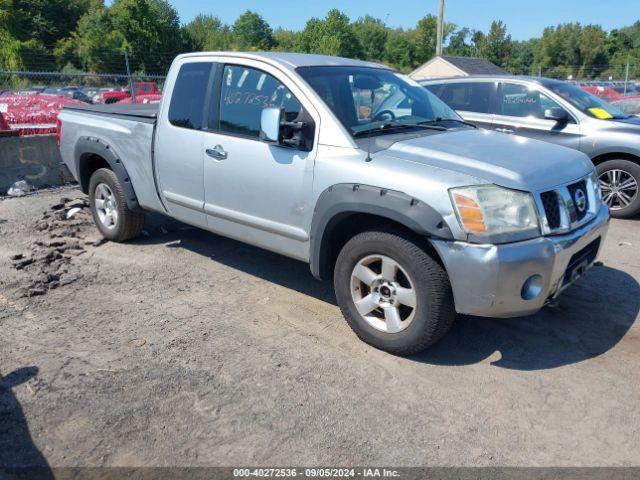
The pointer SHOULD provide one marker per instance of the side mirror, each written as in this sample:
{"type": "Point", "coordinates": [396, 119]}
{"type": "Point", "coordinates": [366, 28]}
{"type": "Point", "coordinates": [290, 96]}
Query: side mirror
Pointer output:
{"type": "Point", "coordinates": [557, 114]}
{"type": "Point", "coordinates": [270, 123]}
{"type": "Point", "coordinates": [274, 128]}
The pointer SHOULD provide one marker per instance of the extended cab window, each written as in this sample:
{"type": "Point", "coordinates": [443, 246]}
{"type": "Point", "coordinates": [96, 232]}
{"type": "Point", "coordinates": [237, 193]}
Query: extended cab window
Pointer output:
{"type": "Point", "coordinates": [467, 97]}
{"type": "Point", "coordinates": [523, 101]}
{"type": "Point", "coordinates": [188, 98]}
{"type": "Point", "coordinates": [245, 93]}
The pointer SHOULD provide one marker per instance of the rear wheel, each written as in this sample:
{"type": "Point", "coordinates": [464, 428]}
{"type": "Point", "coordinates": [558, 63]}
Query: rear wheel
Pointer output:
{"type": "Point", "coordinates": [620, 181]}
{"type": "Point", "coordinates": [392, 293]}
{"type": "Point", "coordinates": [111, 214]}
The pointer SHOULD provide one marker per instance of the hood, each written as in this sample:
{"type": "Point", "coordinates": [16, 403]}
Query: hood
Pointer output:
{"type": "Point", "coordinates": [507, 160]}
{"type": "Point", "coordinates": [632, 121]}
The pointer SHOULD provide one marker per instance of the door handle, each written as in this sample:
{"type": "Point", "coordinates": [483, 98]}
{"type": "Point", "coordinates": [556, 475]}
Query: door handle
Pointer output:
{"type": "Point", "coordinates": [504, 130]}
{"type": "Point", "coordinates": [217, 152]}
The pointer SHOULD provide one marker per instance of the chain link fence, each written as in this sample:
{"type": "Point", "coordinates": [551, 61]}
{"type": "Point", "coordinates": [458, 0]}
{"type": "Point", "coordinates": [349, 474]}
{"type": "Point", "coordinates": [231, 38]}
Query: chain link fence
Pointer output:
{"type": "Point", "coordinates": [50, 82]}
{"type": "Point", "coordinates": [39, 80]}
{"type": "Point", "coordinates": [621, 78]}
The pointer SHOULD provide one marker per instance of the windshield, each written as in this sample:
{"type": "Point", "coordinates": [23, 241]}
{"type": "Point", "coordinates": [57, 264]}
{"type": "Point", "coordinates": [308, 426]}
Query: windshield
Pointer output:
{"type": "Point", "coordinates": [586, 102]}
{"type": "Point", "coordinates": [374, 99]}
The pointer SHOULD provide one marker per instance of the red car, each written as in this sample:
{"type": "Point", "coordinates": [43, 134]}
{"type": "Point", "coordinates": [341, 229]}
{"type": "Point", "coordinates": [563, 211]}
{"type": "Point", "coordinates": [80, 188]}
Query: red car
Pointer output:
{"type": "Point", "coordinates": [32, 114]}
{"type": "Point", "coordinates": [606, 93]}
{"type": "Point", "coordinates": [139, 88]}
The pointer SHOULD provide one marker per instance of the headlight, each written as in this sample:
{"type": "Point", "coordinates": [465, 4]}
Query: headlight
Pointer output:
{"type": "Point", "coordinates": [493, 210]}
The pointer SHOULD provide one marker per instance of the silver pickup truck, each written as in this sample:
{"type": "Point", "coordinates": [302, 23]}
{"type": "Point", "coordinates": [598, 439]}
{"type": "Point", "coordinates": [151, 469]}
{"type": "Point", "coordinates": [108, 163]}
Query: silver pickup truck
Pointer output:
{"type": "Point", "coordinates": [355, 169]}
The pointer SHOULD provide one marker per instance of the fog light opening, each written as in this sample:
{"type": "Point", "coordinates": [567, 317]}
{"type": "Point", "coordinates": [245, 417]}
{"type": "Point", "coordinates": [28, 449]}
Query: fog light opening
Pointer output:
{"type": "Point", "coordinates": [532, 287]}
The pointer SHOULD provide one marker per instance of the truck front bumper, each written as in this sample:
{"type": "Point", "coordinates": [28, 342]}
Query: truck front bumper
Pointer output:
{"type": "Point", "coordinates": [516, 279]}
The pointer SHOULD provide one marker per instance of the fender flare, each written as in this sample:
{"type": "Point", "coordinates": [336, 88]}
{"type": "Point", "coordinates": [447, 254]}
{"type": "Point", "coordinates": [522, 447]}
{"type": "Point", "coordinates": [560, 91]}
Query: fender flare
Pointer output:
{"type": "Point", "coordinates": [87, 146]}
{"type": "Point", "coordinates": [609, 151]}
{"type": "Point", "coordinates": [349, 198]}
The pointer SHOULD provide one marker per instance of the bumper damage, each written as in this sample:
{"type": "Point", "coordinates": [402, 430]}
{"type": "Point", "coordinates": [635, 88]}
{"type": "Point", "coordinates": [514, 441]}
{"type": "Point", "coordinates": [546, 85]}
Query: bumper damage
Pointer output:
{"type": "Point", "coordinates": [516, 279]}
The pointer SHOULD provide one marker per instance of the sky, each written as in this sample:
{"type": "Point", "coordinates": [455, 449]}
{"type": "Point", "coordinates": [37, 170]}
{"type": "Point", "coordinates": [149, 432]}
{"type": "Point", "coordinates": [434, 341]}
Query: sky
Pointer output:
{"type": "Point", "coordinates": [524, 19]}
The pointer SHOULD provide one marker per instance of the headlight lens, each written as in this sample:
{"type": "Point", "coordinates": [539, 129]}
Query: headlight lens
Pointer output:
{"type": "Point", "coordinates": [493, 210]}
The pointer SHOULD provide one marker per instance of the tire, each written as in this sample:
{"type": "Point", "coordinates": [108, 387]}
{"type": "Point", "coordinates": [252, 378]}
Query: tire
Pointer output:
{"type": "Point", "coordinates": [125, 224]}
{"type": "Point", "coordinates": [622, 172]}
{"type": "Point", "coordinates": [433, 312]}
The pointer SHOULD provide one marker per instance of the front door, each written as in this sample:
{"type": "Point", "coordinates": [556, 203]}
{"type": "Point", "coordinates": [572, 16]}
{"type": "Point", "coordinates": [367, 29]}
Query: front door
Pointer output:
{"type": "Point", "coordinates": [256, 191]}
{"type": "Point", "coordinates": [521, 111]}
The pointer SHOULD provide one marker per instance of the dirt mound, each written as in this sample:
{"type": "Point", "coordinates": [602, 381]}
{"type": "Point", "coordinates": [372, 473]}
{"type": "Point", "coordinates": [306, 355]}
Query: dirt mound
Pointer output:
{"type": "Point", "coordinates": [49, 260]}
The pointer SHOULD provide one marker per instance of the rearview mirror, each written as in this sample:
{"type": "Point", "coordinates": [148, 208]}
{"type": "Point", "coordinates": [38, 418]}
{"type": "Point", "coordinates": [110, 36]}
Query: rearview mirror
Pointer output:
{"type": "Point", "coordinates": [270, 122]}
{"type": "Point", "coordinates": [557, 114]}
{"type": "Point", "coordinates": [366, 82]}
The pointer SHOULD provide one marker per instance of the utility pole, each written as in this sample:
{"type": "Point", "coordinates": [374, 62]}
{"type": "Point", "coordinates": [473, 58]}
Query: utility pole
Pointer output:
{"type": "Point", "coordinates": [626, 76]}
{"type": "Point", "coordinates": [126, 61]}
{"type": "Point", "coordinates": [440, 28]}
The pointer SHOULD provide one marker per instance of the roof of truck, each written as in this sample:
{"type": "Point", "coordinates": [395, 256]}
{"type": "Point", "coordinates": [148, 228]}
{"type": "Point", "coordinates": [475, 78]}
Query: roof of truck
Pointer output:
{"type": "Point", "coordinates": [291, 60]}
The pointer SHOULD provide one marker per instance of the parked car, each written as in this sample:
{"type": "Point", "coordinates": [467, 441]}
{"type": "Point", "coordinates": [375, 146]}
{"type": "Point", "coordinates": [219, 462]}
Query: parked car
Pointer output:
{"type": "Point", "coordinates": [139, 88]}
{"type": "Point", "coordinates": [556, 112]}
{"type": "Point", "coordinates": [150, 98]}
{"type": "Point", "coordinates": [69, 92]}
{"type": "Point", "coordinates": [33, 114]}
{"type": "Point", "coordinates": [606, 93]}
{"type": "Point", "coordinates": [629, 104]}
{"type": "Point", "coordinates": [25, 91]}
{"type": "Point", "coordinates": [90, 91]}
{"type": "Point", "coordinates": [97, 97]}
{"type": "Point", "coordinates": [414, 215]}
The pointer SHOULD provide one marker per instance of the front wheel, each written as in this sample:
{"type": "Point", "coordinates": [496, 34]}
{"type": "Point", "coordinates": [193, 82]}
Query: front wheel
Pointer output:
{"type": "Point", "coordinates": [619, 181]}
{"type": "Point", "coordinates": [392, 293]}
{"type": "Point", "coordinates": [108, 204]}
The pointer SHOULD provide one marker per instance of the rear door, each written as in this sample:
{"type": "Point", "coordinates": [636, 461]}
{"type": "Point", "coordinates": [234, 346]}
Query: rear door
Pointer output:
{"type": "Point", "coordinates": [520, 111]}
{"type": "Point", "coordinates": [471, 100]}
{"type": "Point", "coordinates": [179, 142]}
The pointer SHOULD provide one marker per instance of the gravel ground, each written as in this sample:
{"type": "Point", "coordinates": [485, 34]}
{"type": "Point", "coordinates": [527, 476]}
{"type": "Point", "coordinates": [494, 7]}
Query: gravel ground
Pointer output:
{"type": "Point", "coordinates": [184, 348]}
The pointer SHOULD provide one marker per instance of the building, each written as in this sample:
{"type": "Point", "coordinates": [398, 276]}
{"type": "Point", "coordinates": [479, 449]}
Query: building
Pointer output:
{"type": "Point", "coordinates": [448, 66]}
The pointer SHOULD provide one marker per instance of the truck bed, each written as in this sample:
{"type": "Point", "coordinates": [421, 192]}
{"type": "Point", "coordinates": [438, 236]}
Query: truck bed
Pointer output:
{"type": "Point", "coordinates": [128, 130]}
{"type": "Point", "coordinates": [146, 112]}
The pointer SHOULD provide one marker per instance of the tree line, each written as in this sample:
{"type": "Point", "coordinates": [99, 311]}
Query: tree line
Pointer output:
{"type": "Point", "coordinates": [87, 35]}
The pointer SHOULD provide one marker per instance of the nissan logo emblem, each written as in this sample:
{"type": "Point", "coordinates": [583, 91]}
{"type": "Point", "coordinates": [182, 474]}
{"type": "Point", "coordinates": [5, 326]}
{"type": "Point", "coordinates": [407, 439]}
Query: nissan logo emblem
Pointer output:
{"type": "Point", "coordinates": [581, 200]}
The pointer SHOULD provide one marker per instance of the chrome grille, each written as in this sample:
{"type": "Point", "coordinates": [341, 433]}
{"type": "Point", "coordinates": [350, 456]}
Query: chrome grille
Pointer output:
{"type": "Point", "coordinates": [569, 206]}
{"type": "Point", "coordinates": [551, 204]}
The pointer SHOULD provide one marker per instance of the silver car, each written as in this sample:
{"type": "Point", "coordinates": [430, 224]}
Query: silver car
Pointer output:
{"type": "Point", "coordinates": [556, 112]}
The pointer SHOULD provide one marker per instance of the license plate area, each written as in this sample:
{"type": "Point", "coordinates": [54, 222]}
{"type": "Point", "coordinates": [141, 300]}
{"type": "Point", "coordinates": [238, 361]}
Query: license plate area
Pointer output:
{"type": "Point", "coordinates": [580, 262]}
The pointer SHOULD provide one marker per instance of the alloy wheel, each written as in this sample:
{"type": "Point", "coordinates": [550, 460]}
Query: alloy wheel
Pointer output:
{"type": "Point", "coordinates": [383, 293]}
{"type": "Point", "coordinates": [106, 206]}
{"type": "Point", "coordinates": [619, 188]}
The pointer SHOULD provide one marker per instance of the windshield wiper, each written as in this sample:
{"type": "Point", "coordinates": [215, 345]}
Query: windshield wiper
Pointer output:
{"type": "Point", "coordinates": [440, 120]}
{"type": "Point", "coordinates": [395, 125]}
